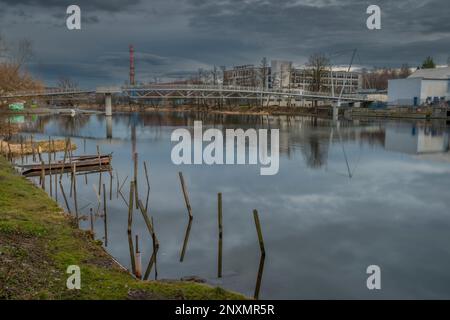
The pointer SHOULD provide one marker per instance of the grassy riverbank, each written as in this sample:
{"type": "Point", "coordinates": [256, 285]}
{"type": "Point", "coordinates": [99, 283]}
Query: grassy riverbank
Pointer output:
{"type": "Point", "coordinates": [38, 241]}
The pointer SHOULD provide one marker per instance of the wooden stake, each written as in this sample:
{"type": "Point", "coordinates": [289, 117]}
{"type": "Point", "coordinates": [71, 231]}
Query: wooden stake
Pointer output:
{"type": "Point", "coordinates": [263, 254]}
{"type": "Point", "coordinates": [186, 239]}
{"type": "Point", "coordinates": [186, 197]}
{"type": "Point", "coordinates": [110, 185]}
{"type": "Point", "coordinates": [135, 157]}
{"type": "Point", "coordinates": [42, 175]}
{"type": "Point", "coordinates": [219, 210]}
{"type": "Point", "coordinates": [64, 196]}
{"type": "Point", "coordinates": [100, 173]}
{"type": "Point", "coordinates": [130, 222]}
{"type": "Point", "coordinates": [74, 179]}
{"type": "Point", "coordinates": [138, 263]}
{"type": "Point", "coordinates": [64, 160]}
{"type": "Point", "coordinates": [92, 223]}
{"type": "Point", "coordinates": [105, 215]}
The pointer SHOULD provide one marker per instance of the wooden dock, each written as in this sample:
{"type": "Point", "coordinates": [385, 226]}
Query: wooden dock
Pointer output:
{"type": "Point", "coordinates": [83, 164]}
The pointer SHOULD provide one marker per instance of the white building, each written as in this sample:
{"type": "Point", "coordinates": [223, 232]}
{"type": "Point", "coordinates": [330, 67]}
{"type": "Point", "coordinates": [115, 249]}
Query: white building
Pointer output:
{"type": "Point", "coordinates": [423, 87]}
{"type": "Point", "coordinates": [281, 73]}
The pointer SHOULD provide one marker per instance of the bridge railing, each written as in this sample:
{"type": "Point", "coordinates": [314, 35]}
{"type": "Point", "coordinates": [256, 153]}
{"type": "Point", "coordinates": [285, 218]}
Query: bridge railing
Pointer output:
{"type": "Point", "coordinates": [185, 87]}
{"type": "Point", "coordinates": [43, 92]}
{"type": "Point", "coordinates": [240, 89]}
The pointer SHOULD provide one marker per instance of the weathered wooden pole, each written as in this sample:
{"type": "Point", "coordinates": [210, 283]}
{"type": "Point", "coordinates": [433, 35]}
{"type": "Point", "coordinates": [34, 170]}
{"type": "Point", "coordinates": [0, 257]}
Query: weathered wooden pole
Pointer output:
{"type": "Point", "coordinates": [64, 159]}
{"type": "Point", "coordinates": [74, 179]}
{"type": "Point", "coordinates": [64, 196]}
{"type": "Point", "coordinates": [105, 214]}
{"type": "Point", "coordinates": [136, 184]}
{"type": "Point", "coordinates": [186, 197]}
{"type": "Point", "coordinates": [148, 185]}
{"type": "Point", "coordinates": [130, 222]}
{"type": "Point", "coordinates": [219, 210]}
{"type": "Point", "coordinates": [100, 172]}
{"type": "Point", "coordinates": [186, 239]}
{"type": "Point", "coordinates": [263, 254]}
{"type": "Point", "coordinates": [50, 178]}
{"type": "Point", "coordinates": [117, 184]}
{"type": "Point", "coordinates": [110, 185]}
{"type": "Point", "coordinates": [42, 175]}
{"type": "Point", "coordinates": [92, 223]}
{"type": "Point", "coordinates": [138, 261]}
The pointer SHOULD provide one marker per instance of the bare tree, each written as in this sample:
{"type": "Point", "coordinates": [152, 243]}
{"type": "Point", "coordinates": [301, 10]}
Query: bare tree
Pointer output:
{"type": "Point", "coordinates": [405, 71]}
{"type": "Point", "coordinates": [66, 83]}
{"type": "Point", "coordinates": [13, 75]}
{"type": "Point", "coordinates": [318, 65]}
{"type": "Point", "coordinates": [263, 72]}
{"type": "Point", "coordinates": [23, 54]}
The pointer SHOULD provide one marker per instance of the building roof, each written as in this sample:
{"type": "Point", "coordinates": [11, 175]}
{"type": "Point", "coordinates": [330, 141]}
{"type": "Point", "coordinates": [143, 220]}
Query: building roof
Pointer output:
{"type": "Point", "coordinates": [437, 73]}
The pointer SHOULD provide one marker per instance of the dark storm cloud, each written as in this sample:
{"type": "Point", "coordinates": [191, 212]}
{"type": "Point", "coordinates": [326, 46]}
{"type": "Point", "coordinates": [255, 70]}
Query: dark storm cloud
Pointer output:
{"type": "Point", "coordinates": [175, 38]}
{"type": "Point", "coordinates": [111, 5]}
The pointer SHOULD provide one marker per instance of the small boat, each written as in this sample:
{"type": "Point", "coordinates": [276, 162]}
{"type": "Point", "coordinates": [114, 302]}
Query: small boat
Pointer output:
{"type": "Point", "coordinates": [82, 163]}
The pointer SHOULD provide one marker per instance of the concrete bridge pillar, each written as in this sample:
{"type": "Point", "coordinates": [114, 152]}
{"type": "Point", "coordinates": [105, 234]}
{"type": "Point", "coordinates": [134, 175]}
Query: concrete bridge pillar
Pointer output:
{"type": "Point", "coordinates": [109, 127]}
{"type": "Point", "coordinates": [108, 104]}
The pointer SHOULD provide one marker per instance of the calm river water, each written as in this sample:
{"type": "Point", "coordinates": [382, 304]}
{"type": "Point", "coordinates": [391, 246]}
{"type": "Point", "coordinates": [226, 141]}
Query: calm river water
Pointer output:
{"type": "Point", "coordinates": [347, 195]}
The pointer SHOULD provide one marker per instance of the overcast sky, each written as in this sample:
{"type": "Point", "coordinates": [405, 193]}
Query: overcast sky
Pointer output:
{"type": "Point", "coordinates": [174, 38]}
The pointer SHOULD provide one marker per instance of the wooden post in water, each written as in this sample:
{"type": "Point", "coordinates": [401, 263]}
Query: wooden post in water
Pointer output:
{"type": "Point", "coordinates": [56, 185]}
{"type": "Point", "coordinates": [117, 184]}
{"type": "Point", "coordinates": [148, 185]}
{"type": "Point", "coordinates": [100, 171]}
{"type": "Point", "coordinates": [219, 210]}
{"type": "Point", "coordinates": [54, 150]}
{"type": "Point", "coordinates": [186, 240]}
{"type": "Point", "coordinates": [50, 178]}
{"type": "Point", "coordinates": [42, 175]}
{"type": "Point", "coordinates": [186, 197]}
{"type": "Point", "coordinates": [263, 254]}
{"type": "Point", "coordinates": [64, 159]}
{"type": "Point", "coordinates": [74, 179]}
{"type": "Point", "coordinates": [110, 185]}
{"type": "Point", "coordinates": [130, 222]}
{"type": "Point", "coordinates": [92, 223]}
{"type": "Point", "coordinates": [138, 261]}
{"type": "Point", "coordinates": [105, 215]}
{"type": "Point", "coordinates": [64, 196]}
{"type": "Point", "coordinates": [135, 158]}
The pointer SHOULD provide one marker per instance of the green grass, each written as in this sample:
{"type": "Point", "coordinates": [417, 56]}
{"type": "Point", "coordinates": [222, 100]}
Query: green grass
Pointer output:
{"type": "Point", "coordinates": [38, 242]}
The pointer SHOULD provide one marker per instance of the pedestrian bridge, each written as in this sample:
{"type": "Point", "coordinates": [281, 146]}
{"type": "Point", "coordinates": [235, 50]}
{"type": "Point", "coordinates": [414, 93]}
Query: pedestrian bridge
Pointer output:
{"type": "Point", "coordinates": [188, 91]}
{"type": "Point", "coordinates": [177, 91]}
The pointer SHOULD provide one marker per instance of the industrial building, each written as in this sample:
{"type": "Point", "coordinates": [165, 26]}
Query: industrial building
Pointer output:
{"type": "Point", "coordinates": [282, 75]}
{"type": "Point", "coordinates": [331, 81]}
{"type": "Point", "coordinates": [247, 76]}
{"type": "Point", "coordinates": [423, 87]}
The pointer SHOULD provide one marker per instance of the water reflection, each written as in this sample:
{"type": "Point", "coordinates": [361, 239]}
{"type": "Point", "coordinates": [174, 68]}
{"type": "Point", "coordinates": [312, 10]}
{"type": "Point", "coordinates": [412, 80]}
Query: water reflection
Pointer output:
{"type": "Point", "coordinates": [321, 229]}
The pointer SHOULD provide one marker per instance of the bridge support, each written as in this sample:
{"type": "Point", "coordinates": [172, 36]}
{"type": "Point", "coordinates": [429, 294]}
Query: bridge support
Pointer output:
{"type": "Point", "coordinates": [109, 127]}
{"type": "Point", "coordinates": [335, 111]}
{"type": "Point", "coordinates": [108, 104]}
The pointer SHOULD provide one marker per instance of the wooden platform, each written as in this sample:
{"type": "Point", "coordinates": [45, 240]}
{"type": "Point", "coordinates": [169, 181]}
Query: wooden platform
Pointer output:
{"type": "Point", "coordinates": [83, 164]}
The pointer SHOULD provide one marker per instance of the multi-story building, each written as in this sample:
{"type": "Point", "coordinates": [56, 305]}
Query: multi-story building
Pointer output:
{"type": "Point", "coordinates": [331, 81]}
{"type": "Point", "coordinates": [247, 76]}
{"type": "Point", "coordinates": [282, 75]}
